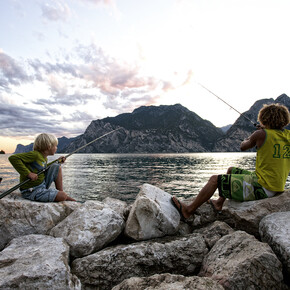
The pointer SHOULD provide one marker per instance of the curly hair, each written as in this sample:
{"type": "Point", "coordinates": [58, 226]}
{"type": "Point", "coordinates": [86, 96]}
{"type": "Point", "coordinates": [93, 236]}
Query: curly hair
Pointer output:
{"type": "Point", "coordinates": [274, 116]}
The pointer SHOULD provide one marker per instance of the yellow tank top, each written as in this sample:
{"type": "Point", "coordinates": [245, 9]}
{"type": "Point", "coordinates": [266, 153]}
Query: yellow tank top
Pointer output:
{"type": "Point", "coordinates": [273, 160]}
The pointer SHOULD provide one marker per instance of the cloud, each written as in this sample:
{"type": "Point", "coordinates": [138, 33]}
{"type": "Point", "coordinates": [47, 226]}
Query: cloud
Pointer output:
{"type": "Point", "coordinates": [87, 78]}
{"type": "Point", "coordinates": [55, 11]}
{"type": "Point", "coordinates": [11, 72]}
{"type": "Point", "coordinates": [107, 2]}
{"type": "Point", "coordinates": [24, 121]}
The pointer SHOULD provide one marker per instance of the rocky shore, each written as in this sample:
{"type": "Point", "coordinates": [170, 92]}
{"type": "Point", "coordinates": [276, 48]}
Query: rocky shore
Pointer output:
{"type": "Point", "coordinates": [144, 245]}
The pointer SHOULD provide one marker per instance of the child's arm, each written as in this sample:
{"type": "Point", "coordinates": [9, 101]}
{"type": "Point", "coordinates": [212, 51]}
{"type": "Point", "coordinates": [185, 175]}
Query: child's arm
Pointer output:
{"type": "Point", "coordinates": [256, 139]}
{"type": "Point", "coordinates": [19, 162]}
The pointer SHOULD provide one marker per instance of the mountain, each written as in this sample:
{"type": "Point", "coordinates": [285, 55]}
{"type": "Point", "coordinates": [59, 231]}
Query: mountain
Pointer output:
{"type": "Point", "coordinates": [160, 129]}
{"type": "Point", "coordinates": [62, 143]}
{"type": "Point", "coordinates": [151, 129]}
{"type": "Point", "coordinates": [243, 128]}
{"type": "Point", "coordinates": [226, 128]}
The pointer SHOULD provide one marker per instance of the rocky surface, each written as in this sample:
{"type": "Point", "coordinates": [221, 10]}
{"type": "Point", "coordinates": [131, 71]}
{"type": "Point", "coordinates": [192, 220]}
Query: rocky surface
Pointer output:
{"type": "Point", "coordinates": [89, 228]}
{"type": "Point", "coordinates": [36, 262]}
{"type": "Point", "coordinates": [20, 217]}
{"type": "Point", "coordinates": [239, 261]}
{"type": "Point", "coordinates": [275, 230]}
{"type": "Point", "coordinates": [168, 282]}
{"type": "Point", "coordinates": [108, 267]}
{"type": "Point", "coordinates": [152, 215]}
{"type": "Point", "coordinates": [85, 245]}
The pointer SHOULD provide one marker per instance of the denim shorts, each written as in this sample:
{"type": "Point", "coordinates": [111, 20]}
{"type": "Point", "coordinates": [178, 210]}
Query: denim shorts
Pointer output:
{"type": "Point", "coordinates": [42, 192]}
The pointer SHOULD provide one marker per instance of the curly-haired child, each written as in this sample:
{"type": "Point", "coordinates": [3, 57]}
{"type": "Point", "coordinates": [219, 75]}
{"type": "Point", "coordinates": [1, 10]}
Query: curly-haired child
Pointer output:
{"type": "Point", "coordinates": [272, 142]}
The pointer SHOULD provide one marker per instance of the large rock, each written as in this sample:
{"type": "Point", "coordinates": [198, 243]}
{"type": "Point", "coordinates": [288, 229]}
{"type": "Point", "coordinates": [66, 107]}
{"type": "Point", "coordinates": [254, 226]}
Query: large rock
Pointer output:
{"type": "Point", "coordinates": [275, 230]}
{"type": "Point", "coordinates": [117, 205]}
{"type": "Point", "coordinates": [20, 217]}
{"type": "Point", "coordinates": [152, 215]}
{"type": "Point", "coordinates": [213, 232]}
{"type": "Point", "coordinates": [246, 216]}
{"type": "Point", "coordinates": [89, 228]}
{"type": "Point", "coordinates": [167, 282]}
{"type": "Point", "coordinates": [109, 267]}
{"type": "Point", "coordinates": [36, 262]}
{"type": "Point", "coordinates": [239, 261]}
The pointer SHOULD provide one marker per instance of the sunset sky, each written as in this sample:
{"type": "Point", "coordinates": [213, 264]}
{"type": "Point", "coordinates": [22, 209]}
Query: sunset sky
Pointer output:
{"type": "Point", "coordinates": [65, 63]}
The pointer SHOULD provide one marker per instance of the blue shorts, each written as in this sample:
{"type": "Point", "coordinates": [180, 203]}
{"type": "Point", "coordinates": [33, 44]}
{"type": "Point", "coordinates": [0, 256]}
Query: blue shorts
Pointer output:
{"type": "Point", "coordinates": [42, 192]}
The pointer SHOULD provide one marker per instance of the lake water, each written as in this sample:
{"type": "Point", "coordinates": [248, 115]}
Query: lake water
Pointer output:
{"type": "Point", "coordinates": [96, 176]}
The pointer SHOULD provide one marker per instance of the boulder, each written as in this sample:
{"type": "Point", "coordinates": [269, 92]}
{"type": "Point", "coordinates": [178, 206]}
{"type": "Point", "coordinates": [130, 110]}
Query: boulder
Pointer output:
{"type": "Point", "coordinates": [240, 261]}
{"type": "Point", "coordinates": [275, 230]}
{"type": "Point", "coordinates": [247, 215]}
{"type": "Point", "coordinates": [213, 232]}
{"type": "Point", "coordinates": [89, 228]}
{"type": "Point", "coordinates": [20, 217]}
{"type": "Point", "coordinates": [167, 282]}
{"type": "Point", "coordinates": [109, 267]}
{"type": "Point", "coordinates": [36, 262]}
{"type": "Point", "coordinates": [117, 205]}
{"type": "Point", "coordinates": [152, 215]}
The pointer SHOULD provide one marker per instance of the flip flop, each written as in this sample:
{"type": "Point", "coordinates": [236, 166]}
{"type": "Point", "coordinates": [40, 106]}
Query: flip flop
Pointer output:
{"type": "Point", "coordinates": [178, 208]}
{"type": "Point", "coordinates": [212, 205]}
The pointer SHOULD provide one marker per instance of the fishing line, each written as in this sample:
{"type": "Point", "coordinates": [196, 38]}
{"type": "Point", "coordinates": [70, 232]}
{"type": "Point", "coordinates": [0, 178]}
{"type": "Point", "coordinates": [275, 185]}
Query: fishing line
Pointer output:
{"type": "Point", "coordinates": [227, 104]}
{"type": "Point", "coordinates": [57, 160]}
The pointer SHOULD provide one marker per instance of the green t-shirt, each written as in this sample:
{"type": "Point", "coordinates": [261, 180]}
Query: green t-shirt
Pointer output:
{"type": "Point", "coordinates": [25, 163]}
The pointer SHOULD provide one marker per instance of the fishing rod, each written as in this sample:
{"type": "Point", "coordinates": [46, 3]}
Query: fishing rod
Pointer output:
{"type": "Point", "coordinates": [228, 104]}
{"type": "Point", "coordinates": [57, 160]}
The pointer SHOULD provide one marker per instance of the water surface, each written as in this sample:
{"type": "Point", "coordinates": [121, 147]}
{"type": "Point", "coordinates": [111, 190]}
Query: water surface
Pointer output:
{"type": "Point", "coordinates": [96, 176]}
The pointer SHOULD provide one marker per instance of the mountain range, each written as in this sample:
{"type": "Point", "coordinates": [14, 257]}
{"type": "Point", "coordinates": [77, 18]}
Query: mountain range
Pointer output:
{"type": "Point", "coordinates": [163, 129]}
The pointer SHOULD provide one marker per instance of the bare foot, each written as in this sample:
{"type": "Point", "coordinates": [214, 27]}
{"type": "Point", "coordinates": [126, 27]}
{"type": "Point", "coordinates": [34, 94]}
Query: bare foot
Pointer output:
{"type": "Point", "coordinates": [181, 207]}
{"type": "Point", "coordinates": [216, 205]}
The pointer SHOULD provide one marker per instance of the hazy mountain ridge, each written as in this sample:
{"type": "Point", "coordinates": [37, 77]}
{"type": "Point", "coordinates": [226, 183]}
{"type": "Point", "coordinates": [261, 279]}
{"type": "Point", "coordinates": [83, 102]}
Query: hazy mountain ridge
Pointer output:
{"type": "Point", "coordinates": [163, 129]}
{"type": "Point", "coordinates": [62, 143]}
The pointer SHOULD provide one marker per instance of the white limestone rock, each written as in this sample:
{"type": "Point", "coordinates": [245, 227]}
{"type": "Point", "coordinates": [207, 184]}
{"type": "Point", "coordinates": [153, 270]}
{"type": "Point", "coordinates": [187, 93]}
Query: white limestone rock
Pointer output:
{"type": "Point", "coordinates": [247, 215]}
{"type": "Point", "coordinates": [152, 215]}
{"type": "Point", "coordinates": [168, 282]}
{"type": "Point", "coordinates": [20, 217]}
{"type": "Point", "coordinates": [89, 228]}
{"type": "Point", "coordinates": [110, 266]}
{"type": "Point", "coordinates": [275, 230]}
{"type": "Point", "coordinates": [36, 262]}
{"type": "Point", "coordinates": [240, 261]}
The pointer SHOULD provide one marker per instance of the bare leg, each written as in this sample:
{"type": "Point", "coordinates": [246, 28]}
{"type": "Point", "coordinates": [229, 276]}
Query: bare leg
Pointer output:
{"type": "Point", "coordinates": [205, 194]}
{"type": "Point", "coordinates": [218, 203]}
{"type": "Point", "coordinates": [58, 181]}
{"type": "Point", "coordinates": [61, 195]}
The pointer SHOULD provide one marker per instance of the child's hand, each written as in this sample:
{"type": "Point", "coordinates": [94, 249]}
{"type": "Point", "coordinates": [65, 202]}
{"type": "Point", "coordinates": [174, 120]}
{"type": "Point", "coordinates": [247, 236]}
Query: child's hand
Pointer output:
{"type": "Point", "coordinates": [32, 176]}
{"type": "Point", "coordinates": [61, 159]}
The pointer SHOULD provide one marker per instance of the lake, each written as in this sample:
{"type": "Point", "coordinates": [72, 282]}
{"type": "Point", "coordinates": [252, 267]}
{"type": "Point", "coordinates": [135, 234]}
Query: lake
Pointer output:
{"type": "Point", "coordinates": [96, 176]}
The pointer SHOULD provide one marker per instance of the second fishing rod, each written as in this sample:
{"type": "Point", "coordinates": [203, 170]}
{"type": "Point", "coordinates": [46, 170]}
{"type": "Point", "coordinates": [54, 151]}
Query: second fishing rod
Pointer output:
{"type": "Point", "coordinates": [57, 160]}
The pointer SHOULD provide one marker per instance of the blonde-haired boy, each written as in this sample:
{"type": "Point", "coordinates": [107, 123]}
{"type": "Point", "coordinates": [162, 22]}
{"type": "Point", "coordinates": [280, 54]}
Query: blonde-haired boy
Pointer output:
{"type": "Point", "coordinates": [30, 163]}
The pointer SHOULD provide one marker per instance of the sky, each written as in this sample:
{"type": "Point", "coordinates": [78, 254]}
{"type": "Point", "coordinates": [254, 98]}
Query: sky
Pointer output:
{"type": "Point", "coordinates": [64, 63]}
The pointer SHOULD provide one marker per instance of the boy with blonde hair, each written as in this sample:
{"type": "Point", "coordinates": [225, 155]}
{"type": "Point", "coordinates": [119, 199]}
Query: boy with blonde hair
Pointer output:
{"type": "Point", "coordinates": [272, 165]}
{"type": "Point", "coordinates": [30, 163]}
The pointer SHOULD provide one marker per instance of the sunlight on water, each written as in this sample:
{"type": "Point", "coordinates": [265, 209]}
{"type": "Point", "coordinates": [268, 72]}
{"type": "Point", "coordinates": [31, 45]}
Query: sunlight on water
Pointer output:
{"type": "Point", "coordinates": [97, 176]}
